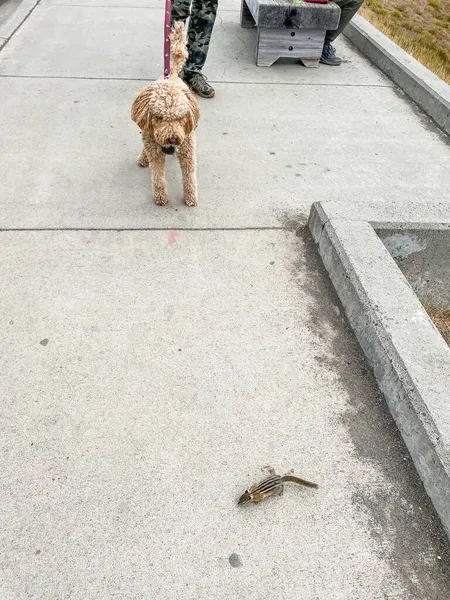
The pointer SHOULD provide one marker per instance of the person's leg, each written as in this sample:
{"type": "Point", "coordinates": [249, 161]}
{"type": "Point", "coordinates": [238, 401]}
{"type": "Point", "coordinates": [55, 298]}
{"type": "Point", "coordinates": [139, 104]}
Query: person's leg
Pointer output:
{"type": "Point", "coordinates": [180, 10]}
{"type": "Point", "coordinates": [348, 10]}
{"type": "Point", "coordinates": [201, 23]}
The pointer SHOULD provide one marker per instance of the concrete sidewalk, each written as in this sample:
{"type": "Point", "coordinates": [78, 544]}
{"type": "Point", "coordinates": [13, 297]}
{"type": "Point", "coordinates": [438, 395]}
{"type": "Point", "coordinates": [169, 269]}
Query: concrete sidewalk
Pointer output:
{"type": "Point", "coordinates": [147, 377]}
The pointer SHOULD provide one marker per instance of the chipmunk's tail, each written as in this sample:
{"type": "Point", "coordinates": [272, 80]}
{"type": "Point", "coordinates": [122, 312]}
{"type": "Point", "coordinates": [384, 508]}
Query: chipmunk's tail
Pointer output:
{"type": "Point", "coordinates": [178, 48]}
{"type": "Point", "coordinates": [299, 481]}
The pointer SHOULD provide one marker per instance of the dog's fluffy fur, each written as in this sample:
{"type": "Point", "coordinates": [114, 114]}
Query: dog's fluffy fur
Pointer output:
{"type": "Point", "coordinates": [167, 114]}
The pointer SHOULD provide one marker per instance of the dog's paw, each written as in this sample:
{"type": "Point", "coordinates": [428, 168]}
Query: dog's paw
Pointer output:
{"type": "Point", "coordinates": [191, 201]}
{"type": "Point", "coordinates": [161, 200]}
{"type": "Point", "coordinates": [142, 161]}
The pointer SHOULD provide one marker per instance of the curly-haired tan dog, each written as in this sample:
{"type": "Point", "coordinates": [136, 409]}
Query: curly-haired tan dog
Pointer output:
{"type": "Point", "coordinates": [167, 114]}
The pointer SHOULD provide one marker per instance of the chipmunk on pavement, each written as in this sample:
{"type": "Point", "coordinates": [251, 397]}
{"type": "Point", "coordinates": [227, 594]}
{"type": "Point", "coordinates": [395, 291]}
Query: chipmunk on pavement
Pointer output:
{"type": "Point", "coordinates": [271, 486]}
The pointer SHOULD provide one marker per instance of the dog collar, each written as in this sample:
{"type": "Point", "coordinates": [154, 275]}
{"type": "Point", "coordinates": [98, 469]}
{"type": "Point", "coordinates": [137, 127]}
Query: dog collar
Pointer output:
{"type": "Point", "coordinates": [168, 149]}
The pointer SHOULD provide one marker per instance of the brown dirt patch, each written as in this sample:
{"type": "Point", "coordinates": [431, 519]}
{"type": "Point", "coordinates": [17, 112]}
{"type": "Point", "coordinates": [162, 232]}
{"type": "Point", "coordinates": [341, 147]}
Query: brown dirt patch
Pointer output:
{"type": "Point", "coordinates": [441, 318]}
{"type": "Point", "coordinates": [421, 27]}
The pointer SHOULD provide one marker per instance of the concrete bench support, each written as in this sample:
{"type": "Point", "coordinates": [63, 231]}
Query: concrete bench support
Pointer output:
{"type": "Point", "coordinates": [289, 31]}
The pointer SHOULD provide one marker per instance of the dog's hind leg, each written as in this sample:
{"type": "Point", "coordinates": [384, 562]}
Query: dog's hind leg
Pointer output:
{"type": "Point", "coordinates": [188, 166]}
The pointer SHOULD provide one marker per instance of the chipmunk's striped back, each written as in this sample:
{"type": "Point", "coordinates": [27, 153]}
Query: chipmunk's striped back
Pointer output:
{"type": "Point", "coordinates": [267, 487]}
{"type": "Point", "coordinates": [270, 486]}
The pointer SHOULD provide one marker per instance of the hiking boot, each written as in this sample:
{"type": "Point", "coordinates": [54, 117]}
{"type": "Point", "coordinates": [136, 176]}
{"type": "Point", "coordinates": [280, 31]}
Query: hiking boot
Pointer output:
{"type": "Point", "coordinates": [329, 55]}
{"type": "Point", "coordinates": [199, 84]}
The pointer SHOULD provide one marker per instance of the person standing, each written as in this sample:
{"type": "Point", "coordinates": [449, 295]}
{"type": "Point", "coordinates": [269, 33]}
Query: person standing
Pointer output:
{"type": "Point", "coordinates": [349, 8]}
{"type": "Point", "coordinates": [202, 15]}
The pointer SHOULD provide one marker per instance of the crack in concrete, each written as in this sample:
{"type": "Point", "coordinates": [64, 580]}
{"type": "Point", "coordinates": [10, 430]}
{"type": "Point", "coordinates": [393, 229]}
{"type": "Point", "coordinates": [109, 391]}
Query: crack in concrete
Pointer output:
{"type": "Point", "coordinates": [277, 83]}
{"type": "Point", "coordinates": [239, 54]}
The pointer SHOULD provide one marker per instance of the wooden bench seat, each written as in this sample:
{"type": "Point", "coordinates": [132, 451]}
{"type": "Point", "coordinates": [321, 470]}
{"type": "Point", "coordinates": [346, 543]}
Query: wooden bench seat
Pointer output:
{"type": "Point", "coordinates": [289, 30]}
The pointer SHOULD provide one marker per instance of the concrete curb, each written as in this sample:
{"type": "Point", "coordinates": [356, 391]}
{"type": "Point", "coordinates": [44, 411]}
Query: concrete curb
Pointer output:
{"type": "Point", "coordinates": [410, 359]}
{"type": "Point", "coordinates": [424, 87]}
{"type": "Point", "coordinates": [16, 19]}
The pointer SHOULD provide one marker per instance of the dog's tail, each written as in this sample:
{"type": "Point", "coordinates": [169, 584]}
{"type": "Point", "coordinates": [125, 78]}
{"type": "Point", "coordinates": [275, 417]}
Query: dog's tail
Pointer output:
{"type": "Point", "coordinates": [178, 49]}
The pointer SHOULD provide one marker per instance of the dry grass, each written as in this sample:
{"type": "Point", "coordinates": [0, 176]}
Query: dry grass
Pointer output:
{"type": "Point", "coordinates": [421, 27]}
{"type": "Point", "coordinates": [441, 318]}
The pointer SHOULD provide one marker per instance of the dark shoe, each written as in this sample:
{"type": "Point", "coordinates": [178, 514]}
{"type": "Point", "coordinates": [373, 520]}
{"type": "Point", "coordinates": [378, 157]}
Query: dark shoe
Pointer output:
{"type": "Point", "coordinates": [329, 56]}
{"type": "Point", "coordinates": [199, 84]}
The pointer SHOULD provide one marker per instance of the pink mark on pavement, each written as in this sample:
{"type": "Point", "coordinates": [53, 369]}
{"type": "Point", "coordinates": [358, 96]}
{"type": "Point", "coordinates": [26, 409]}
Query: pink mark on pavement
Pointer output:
{"type": "Point", "coordinates": [172, 237]}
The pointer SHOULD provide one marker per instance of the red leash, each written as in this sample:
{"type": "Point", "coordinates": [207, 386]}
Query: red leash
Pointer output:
{"type": "Point", "coordinates": [167, 39]}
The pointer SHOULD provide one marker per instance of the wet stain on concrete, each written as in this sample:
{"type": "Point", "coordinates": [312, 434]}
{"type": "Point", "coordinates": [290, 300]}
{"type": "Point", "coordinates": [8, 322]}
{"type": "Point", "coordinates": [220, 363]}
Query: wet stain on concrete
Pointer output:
{"type": "Point", "coordinates": [427, 122]}
{"type": "Point", "coordinates": [401, 518]}
{"type": "Point", "coordinates": [235, 560]}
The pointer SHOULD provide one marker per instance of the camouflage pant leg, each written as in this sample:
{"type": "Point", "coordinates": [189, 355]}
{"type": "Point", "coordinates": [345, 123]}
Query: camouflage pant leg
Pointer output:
{"type": "Point", "coordinates": [202, 16]}
{"type": "Point", "coordinates": [181, 9]}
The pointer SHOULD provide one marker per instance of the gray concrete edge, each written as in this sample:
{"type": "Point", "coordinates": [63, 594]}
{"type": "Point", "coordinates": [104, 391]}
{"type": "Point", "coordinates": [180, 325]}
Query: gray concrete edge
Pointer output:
{"type": "Point", "coordinates": [408, 397]}
{"type": "Point", "coordinates": [383, 213]}
{"type": "Point", "coordinates": [8, 28]}
{"type": "Point", "coordinates": [419, 83]}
